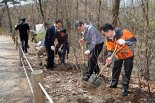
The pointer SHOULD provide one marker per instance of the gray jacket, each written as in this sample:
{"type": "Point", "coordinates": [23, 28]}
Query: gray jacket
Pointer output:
{"type": "Point", "coordinates": [92, 37]}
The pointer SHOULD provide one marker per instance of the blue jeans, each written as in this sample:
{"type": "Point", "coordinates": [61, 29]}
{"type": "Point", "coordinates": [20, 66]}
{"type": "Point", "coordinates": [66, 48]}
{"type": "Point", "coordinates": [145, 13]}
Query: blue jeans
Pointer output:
{"type": "Point", "coordinates": [62, 54]}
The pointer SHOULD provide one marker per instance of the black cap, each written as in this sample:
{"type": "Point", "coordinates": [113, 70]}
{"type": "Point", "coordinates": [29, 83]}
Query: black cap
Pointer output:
{"type": "Point", "coordinates": [63, 30]}
{"type": "Point", "coordinates": [23, 19]}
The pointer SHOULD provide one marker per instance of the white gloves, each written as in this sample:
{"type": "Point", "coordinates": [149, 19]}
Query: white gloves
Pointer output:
{"type": "Point", "coordinates": [59, 50]}
{"type": "Point", "coordinates": [121, 41]}
{"type": "Point", "coordinates": [53, 48]}
{"type": "Point", "coordinates": [87, 52]}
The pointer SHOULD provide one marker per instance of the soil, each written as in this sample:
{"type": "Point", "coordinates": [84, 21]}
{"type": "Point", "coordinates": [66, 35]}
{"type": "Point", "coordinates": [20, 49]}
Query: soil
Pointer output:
{"type": "Point", "coordinates": [63, 84]}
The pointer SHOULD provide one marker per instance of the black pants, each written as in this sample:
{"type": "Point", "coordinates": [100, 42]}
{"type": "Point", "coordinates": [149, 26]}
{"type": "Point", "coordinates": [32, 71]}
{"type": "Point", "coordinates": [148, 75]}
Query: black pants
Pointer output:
{"type": "Point", "coordinates": [128, 66]}
{"type": "Point", "coordinates": [92, 59]}
{"type": "Point", "coordinates": [50, 57]}
{"type": "Point", "coordinates": [24, 41]}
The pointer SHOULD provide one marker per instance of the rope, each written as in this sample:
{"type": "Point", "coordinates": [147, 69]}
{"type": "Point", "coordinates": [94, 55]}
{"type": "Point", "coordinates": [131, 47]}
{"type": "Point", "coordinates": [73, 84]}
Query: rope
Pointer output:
{"type": "Point", "coordinates": [26, 59]}
{"type": "Point", "coordinates": [27, 76]}
{"type": "Point", "coordinates": [41, 86]}
{"type": "Point", "coordinates": [43, 89]}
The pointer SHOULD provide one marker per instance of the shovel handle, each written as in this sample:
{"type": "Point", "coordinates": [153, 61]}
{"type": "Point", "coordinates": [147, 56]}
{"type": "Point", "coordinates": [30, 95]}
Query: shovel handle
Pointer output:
{"type": "Point", "coordinates": [112, 56]}
{"type": "Point", "coordinates": [103, 68]}
{"type": "Point", "coordinates": [83, 58]}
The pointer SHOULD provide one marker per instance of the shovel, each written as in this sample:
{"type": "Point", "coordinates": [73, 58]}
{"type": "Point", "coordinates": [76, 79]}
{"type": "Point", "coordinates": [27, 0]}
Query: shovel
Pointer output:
{"type": "Point", "coordinates": [95, 79]}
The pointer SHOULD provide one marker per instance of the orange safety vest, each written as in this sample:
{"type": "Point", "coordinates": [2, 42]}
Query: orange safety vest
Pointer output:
{"type": "Point", "coordinates": [126, 52]}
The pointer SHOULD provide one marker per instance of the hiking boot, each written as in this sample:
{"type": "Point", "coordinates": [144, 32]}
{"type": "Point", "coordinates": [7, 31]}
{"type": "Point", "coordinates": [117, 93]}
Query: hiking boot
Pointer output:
{"type": "Point", "coordinates": [124, 93]}
{"type": "Point", "coordinates": [86, 77]}
{"type": "Point", "coordinates": [113, 84]}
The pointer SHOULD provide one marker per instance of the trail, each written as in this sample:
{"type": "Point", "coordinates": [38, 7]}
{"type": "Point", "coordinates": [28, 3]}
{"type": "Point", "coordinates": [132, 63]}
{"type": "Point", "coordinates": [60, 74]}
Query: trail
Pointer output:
{"type": "Point", "coordinates": [13, 84]}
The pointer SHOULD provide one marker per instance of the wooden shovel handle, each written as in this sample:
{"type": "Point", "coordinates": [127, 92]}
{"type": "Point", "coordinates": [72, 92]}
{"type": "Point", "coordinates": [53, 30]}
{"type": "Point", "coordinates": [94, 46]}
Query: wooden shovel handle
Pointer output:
{"type": "Point", "coordinates": [82, 48]}
{"type": "Point", "coordinates": [112, 56]}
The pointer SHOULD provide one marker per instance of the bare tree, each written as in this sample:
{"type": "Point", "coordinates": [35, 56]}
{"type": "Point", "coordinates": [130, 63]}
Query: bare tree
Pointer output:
{"type": "Point", "coordinates": [1, 15]}
{"type": "Point", "coordinates": [8, 12]}
{"type": "Point", "coordinates": [115, 11]}
{"type": "Point", "coordinates": [41, 10]}
{"type": "Point", "coordinates": [99, 12]}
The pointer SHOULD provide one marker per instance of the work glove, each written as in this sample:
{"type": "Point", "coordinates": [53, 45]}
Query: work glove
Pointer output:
{"type": "Point", "coordinates": [81, 41]}
{"type": "Point", "coordinates": [56, 43]}
{"type": "Point", "coordinates": [121, 41]}
{"type": "Point", "coordinates": [108, 60]}
{"type": "Point", "coordinates": [59, 49]}
{"type": "Point", "coordinates": [53, 48]}
{"type": "Point", "coordinates": [87, 52]}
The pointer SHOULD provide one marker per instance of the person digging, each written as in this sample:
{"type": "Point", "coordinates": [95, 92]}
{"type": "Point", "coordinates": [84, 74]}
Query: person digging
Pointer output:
{"type": "Point", "coordinates": [125, 56]}
{"type": "Point", "coordinates": [94, 44]}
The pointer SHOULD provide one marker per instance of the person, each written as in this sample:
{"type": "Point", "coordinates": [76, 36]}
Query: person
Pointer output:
{"type": "Point", "coordinates": [49, 42]}
{"type": "Point", "coordinates": [120, 37]}
{"type": "Point", "coordinates": [33, 36]}
{"type": "Point", "coordinates": [62, 46]}
{"type": "Point", "coordinates": [24, 29]}
{"type": "Point", "coordinates": [94, 44]}
{"type": "Point", "coordinates": [40, 47]}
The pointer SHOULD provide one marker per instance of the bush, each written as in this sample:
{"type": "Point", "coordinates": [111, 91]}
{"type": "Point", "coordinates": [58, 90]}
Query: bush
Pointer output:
{"type": "Point", "coordinates": [40, 36]}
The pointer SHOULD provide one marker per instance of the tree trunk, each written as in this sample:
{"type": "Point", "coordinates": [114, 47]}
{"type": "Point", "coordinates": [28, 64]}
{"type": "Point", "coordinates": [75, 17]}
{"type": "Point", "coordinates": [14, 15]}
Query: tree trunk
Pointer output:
{"type": "Point", "coordinates": [145, 9]}
{"type": "Point", "coordinates": [99, 12]}
{"type": "Point", "coordinates": [86, 6]}
{"type": "Point", "coordinates": [9, 18]}
{"type": "Point", "coordinates": [41, 10]}
{"type": "Point", "coordinates": [115, 12]}
{"type": "Point", "coordinates": [57, 11]}
{"type": "Point", "coordinates": [68, 18]}
{"type": "Point", "coordinates": [77, 10]}
{"type": "Point", "coordinates": [32, 16]}
{"type": "Point", "coordinates": [1, 15]}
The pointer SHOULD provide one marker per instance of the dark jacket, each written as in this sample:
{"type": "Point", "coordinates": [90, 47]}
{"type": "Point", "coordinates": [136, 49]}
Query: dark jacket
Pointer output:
{"type": "Point", "coordinates": [23, 29]}
{"type": "Point", "coordinates": [50, 36]}
{"type": "Point", "coordinates": [62, 40]}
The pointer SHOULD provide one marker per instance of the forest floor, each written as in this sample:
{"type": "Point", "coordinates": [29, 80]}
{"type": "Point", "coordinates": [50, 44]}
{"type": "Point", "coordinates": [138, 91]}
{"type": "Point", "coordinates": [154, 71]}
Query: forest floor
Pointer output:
{"type": "Point", "coordinates": [64, 84]}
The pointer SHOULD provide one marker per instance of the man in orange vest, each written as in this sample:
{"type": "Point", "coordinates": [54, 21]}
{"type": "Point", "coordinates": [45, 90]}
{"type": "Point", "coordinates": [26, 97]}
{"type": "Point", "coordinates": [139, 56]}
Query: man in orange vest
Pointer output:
{"type": "Point", "coordinates": [120, 37]}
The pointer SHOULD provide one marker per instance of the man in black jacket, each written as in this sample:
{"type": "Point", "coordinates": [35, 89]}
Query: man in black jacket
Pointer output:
{"type": "Point", "coordinates": [49, 42]}
{"type": "Point", "coordinates": [23, 28]}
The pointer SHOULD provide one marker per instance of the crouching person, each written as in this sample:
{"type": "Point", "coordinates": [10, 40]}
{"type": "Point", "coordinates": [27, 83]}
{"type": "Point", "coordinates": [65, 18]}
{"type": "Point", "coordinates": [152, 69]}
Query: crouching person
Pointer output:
{"type": "Point", "coordinates": [120, 37]}
{"type": "Point", "coordinates": [62, 46]}
{"type": "Point", "coordinates": [40, 47]}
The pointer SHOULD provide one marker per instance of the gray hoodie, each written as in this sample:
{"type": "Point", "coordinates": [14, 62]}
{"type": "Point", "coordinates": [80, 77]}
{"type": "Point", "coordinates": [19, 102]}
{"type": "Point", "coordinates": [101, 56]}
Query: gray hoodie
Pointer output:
{"type": "Point", "coordinates": [92, 37]}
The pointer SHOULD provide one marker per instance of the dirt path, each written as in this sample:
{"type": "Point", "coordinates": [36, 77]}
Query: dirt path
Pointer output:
{"type": "Point", "coordinates": [13, 84]}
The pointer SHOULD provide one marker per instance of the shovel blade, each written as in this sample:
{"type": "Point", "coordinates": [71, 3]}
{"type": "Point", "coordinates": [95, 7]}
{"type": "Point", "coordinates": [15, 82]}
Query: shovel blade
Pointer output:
{"type": "Point", "coordinates": [98, 82]}
{"type": "Point", "coordinates": [95, 80]}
